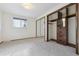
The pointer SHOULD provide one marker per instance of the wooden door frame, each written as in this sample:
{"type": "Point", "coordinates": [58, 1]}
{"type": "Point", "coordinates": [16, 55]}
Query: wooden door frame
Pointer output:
{"type": "Point", "coordinates": [77, 29]}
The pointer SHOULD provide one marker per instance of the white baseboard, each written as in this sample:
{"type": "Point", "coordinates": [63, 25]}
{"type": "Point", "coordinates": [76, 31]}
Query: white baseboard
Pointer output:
{"type": "Point", "coordinates": [22, 38]}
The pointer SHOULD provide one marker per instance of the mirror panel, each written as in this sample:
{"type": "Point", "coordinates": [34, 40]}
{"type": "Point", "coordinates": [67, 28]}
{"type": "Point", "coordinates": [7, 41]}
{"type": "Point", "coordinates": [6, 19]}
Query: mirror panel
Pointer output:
{"type": "Point", "coordinates": [63, 11]}
{"type": "Point", "coordinates": [53, 16]}
{"type": "Point", "coordinates": [71, 9]}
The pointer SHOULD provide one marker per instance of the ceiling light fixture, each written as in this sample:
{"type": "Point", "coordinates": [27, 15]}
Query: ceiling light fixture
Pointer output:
{"type": "Point", "coordinates": [27, 5]}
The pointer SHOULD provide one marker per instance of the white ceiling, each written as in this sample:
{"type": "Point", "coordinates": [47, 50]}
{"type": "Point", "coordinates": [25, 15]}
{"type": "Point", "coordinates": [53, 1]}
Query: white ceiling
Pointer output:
{"type": "Point", "coordinates": [18, 9]}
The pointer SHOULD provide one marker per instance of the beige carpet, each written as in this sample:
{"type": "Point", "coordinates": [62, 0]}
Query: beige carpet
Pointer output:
{"type": "Point", "coordinates": [35, 47]}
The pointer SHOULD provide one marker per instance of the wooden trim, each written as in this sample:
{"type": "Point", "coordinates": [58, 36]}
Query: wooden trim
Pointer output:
{"type": "Point", "coordinates": [53, 40]}
{"type": "Point", "coordinates": [77, 14]}
{"type": "Point", "coordinates": [67, 25]}
{"type": "Point", "coordinates": [47, 29]}
{"type": "Point", "coordinates": [71, 45]}
{"type": "Point", "coordinates": [53, 20]}
{"type": "Point", "coordinates": [71, 15]}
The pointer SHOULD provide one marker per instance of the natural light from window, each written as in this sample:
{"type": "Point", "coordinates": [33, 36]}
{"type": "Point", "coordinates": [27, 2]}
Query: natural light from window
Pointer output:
{"type": "Point", "coordinates": [19, 23]}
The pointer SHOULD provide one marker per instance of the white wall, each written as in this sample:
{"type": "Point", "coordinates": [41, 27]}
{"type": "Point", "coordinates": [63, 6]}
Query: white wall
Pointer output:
{"type": "Point", "coordinates": [0, 26]}
{"type": "Point", "coordinates": [11, 33]}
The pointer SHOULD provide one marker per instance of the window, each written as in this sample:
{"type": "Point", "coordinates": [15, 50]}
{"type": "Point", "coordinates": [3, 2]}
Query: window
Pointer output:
{"type": "Point", "coordinates": [19, 23]}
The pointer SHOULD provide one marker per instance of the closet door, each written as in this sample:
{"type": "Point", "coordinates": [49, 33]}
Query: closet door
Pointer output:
{"type": "Point", "coordinates": [38, 28]}
{"type": "Point", "coordinates": [54, 30]}
{"type": "Point", "coordinates": [72, 30]}
{"type": "Point", "coordinates": [42, 26]}
{"type": "Point", "coordinates": [50, 31]}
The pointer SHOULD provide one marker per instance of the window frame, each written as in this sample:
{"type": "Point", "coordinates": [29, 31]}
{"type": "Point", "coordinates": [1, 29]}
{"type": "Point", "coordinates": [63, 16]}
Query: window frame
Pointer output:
{"type": "Point", "coordinates": [20, 23]}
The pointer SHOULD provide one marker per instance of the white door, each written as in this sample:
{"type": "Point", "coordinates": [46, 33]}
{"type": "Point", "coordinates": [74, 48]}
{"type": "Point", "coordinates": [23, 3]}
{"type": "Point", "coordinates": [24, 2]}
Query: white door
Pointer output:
{"type": "Point", "coordinates": [42, 27]}
{"type": "Point", "coordinates": [72, 30]}
{"type": "Point", "coordinates": [38, 28]}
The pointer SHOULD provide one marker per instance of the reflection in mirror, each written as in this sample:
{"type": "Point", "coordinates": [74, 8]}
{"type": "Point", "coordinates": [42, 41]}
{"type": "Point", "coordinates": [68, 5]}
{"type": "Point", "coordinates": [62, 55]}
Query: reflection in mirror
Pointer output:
{"type": "Point", "coordinates": [63, 20]}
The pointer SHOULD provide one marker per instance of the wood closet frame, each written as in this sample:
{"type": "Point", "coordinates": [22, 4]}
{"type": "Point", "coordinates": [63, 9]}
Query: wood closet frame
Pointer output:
{"type": "Point", "coordinates": [77, 30]}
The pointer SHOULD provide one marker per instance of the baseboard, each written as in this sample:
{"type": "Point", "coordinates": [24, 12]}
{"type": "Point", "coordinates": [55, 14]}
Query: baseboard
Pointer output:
{"type": "Point", "coordinates": [53, 40]}
{"type": "Point", "coordinates": [69, 44]}
{"type": "Point", "coordinates": [72, 45]}
{"type": "Point", "coordinates": [24, 38]}
{"type": "Point", "coordinates": [28, 38]}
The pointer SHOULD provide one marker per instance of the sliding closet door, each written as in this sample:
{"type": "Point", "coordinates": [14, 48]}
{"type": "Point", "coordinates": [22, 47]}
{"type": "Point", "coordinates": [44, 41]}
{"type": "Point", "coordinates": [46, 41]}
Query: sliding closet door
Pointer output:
{"type": "Point", "coordinates": [38, 28]}
{"type": "Point", "coordinates": [52, 26]}
{"type": "Point", "coordinates": [50, 31]}
{"type": "Point", "coordinates": [72, 30]}
{"type": "Point", "coordinates": [42, 26]}
{"type": "Point", "coordinates": [53, 30]}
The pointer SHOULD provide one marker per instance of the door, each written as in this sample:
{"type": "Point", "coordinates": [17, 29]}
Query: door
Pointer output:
{"type": "Point", "coordinates": [53, 30]}
{"type": "Point", "coordinates": [42, 26]}
{"type": "Point", "coordinates": [38, 28]}
{"type": "Point", "coordinates": [72, 30]}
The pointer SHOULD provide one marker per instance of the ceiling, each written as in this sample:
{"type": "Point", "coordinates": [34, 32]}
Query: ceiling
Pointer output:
{"type": "Point", "coordinates": [18, 9]}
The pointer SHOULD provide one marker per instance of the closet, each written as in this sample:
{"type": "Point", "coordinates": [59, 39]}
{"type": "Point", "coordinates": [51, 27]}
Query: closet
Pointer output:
{"type": "Point", "coordinates": [62, 25]}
